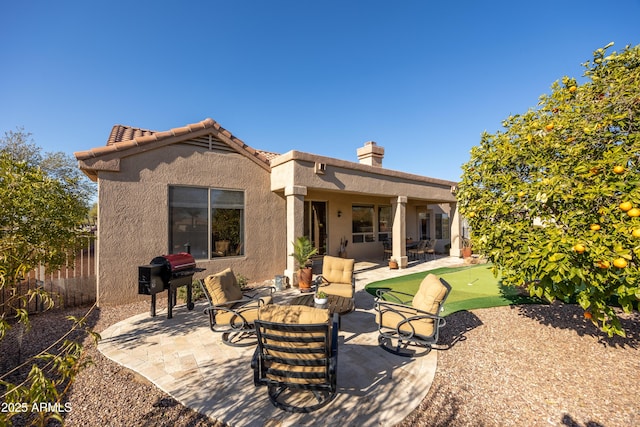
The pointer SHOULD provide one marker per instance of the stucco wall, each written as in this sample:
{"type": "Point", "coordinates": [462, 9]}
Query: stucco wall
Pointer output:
{"type": "Point", "coordinates": [134, 225]}
{"type": "Point", "coordinates": [340, 175]}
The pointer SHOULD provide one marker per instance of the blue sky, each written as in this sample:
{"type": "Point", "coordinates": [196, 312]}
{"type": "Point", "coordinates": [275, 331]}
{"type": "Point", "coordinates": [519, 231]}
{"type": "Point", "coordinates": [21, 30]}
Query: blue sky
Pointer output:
{"type": "Point", "coordinates": [423, 79]}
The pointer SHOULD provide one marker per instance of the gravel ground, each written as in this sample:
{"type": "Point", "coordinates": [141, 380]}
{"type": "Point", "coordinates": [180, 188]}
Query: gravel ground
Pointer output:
{"type": "Point", "coordinates": [533, 365]}
{"type": "Point", "coordinates": [526, 365]}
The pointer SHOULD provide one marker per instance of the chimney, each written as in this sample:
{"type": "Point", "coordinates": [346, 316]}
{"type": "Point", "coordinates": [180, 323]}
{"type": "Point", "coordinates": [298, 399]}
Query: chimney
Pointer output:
{"type": "Point", "coordinates": [371, 154]}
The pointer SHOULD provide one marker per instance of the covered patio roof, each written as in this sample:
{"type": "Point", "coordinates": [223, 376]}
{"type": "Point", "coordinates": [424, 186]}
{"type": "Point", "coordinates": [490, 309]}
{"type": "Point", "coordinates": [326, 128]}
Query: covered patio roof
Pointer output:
{"type": "Point", "coordinates": [326, 173]}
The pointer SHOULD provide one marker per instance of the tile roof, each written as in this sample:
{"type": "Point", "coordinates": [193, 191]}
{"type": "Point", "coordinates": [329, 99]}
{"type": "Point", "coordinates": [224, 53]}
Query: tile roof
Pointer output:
{"type": "Point", "coordinates": [121, 133]}
{"type": "Point", "coordinates": [123, 138]}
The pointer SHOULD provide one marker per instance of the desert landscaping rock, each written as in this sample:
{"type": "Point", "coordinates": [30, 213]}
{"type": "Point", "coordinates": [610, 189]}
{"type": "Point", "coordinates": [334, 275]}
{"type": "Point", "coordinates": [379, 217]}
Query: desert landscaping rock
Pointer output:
{"type": "Point", "coordinates": [524, 365]}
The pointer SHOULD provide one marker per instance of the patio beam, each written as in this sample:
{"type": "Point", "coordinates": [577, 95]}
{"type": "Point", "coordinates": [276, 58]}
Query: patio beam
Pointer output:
{"type": "Point", "coordinates": [456, 243]}
{"type": "Point", "coordinates": [294, 195]}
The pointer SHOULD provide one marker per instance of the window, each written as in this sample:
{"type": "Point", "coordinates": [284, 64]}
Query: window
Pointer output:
{"type": "Point", "coordinates": [442, 226]}
{"type": "Point", "coordinates": [227, 223]}
{"type": "Point", "coordinates": [385, 223]}
{"type": "Point", "coordinates": [362, 223]}
{"type": "Point", "coordinates": [197, 213]}
{"type": "Point", "coordinates": [188, 220]}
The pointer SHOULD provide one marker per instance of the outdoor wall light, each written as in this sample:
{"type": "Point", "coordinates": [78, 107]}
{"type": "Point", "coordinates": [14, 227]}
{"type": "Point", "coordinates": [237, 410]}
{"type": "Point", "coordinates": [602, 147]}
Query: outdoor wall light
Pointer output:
{"type": "Point", "coordinates": [339, 214]}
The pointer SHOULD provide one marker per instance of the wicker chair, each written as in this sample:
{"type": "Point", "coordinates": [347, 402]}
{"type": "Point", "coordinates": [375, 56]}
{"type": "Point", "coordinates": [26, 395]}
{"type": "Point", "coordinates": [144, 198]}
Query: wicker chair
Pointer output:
{"type": "Point", "coordinates": [417, 324]}
{"type": "Point", "coordinates": [232, 311]}
{"type": "Point", "coordinates": [297, 356]}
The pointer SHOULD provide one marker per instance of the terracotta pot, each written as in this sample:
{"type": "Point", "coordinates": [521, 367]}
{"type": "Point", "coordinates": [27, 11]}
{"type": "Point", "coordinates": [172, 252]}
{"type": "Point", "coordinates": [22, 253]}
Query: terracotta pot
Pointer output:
{"type": "Point", "coordinates": [305, 276]}
{"type": "Point", "coordinates": [466, 252]}
{"type": "Point", "coordinates": [393, 265]}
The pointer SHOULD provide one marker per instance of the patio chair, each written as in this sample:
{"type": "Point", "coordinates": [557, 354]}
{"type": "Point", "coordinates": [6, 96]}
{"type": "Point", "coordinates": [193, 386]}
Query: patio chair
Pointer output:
{"type": "Point", "coordinates": [417, 324]}
{"type": "Point", "coordinates": [387, 250]}
{"type": "Point", "coordinates": [232, 311]}
{"type": "Point", "coordinates": [419, 250]}
{"type": "Point", "coordinates": [297, 356]}
{"type": "Point", "coordinates": [430, 249]}
{"type": "Point", "coordinates": [337, 277]}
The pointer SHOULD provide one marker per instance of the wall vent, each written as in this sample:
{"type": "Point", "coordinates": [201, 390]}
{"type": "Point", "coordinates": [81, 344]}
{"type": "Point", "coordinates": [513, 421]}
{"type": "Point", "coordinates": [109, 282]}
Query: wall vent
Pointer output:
{"type": "Point", "coordinates": [320, 168]}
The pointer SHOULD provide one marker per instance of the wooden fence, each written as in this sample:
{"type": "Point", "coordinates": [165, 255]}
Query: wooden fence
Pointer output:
{"type": "Point", "coordinates": [72, 286]}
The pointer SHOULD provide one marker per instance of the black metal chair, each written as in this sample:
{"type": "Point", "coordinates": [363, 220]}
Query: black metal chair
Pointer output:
{"type": "Point", "coordinates": [430, 248]}
{"type": "Point", "coordinates": [419, 250]}
{"type": "Point", "coordinates": [296, 360]}
{"type": "Point", "coordinates": [417, 324]}
{"type": "Point", "coordinates": [232, 311]}
{"type": "Point", "coordinates": [387, 250]}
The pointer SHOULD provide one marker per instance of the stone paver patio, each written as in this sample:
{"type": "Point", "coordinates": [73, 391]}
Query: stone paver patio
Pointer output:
{"type": "Point", "coordinates": [188, 361]}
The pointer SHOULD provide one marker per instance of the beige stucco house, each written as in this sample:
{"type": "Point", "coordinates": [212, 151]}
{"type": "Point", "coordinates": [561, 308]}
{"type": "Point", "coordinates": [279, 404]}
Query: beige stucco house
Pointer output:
{"type": "Point", "coordinates": [235, 206]}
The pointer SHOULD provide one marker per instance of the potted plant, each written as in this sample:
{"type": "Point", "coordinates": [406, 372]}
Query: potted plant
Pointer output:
{"type": "Point", "coordinates": [320, 298]}
{"type": "Point", "coordinates": [466, 247]}
{"type": "Point", "coordinates": [393, 264]}
{"type": "Point", "coordinates": [303, 250]}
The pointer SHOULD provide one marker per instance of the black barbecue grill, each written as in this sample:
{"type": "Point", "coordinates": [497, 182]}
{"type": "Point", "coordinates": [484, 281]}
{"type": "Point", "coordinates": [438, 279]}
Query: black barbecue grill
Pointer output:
{"type": "Point", "coordinates": [167, 272]}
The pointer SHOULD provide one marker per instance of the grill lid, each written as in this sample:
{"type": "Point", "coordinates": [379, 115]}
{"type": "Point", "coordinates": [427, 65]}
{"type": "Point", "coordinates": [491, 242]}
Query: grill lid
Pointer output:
{"type": "Point", "coordinates": [176, 262]}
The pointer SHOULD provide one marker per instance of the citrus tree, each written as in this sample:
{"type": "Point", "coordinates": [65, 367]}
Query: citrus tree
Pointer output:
{"type": "Point", "coordinates": [553, 199]}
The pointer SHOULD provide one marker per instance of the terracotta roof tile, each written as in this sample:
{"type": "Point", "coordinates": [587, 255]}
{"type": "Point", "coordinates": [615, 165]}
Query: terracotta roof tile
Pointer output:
{"type": "Point", "coordinates": [181, 130]}
{"type": "Point", "coordinates": [100, 150]}
{"type": "Point", "coordinates": [163, 134]}
{"type": "Point", "coordinates": [146, 139]}
{"type": "Point", "coordinates": [269, 155]}
{"type": "Point", "coordinates": [126, 133]}
{"type": "Point", "coordinates": [125, 137]}
{"type": "Point", "coordinates": [195, 126]}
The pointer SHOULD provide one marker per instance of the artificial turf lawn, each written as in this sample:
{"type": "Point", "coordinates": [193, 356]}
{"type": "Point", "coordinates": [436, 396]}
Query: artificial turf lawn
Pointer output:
{"type": "Point", "coordinates": [471, 287]}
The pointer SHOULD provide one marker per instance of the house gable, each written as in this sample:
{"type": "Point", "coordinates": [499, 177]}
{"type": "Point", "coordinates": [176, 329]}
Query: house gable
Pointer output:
{"type": "Point", "coordinates": [125, 141]}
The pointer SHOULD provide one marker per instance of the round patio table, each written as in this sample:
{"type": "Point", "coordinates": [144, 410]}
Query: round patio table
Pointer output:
{"type": "Point", "coordinates": [335, 303]}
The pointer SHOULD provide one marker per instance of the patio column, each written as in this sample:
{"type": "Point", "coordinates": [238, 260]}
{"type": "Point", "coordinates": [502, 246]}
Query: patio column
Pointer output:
{"type": "Point", "coordinates": [399, 231]}
{"type": "Point", "coordinates": [295, 225]}
{"type": "Point", "coordinates": [456, 242]}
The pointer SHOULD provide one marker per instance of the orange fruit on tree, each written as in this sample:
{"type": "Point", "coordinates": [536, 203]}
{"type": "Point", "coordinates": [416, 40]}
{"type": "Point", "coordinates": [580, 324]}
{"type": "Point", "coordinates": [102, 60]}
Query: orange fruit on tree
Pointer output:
{"type": "Point", "coordinates": [579, 248]}
{"type": "Point", "coordinates": [604, 264]}
{"type": "Point", "coordinates": [595, 227]}
{"type": "Point", "coordinates": [620, 262]}
{"type": "Point", "coordinates": [625, 206]}
{"type": "Point", "coordinates": [573, 89]}
{"type": "Point", "coordinates": [549, 127]}
{"type": "Point", "coordinates": [636, 232]}
{"type": "Point", "coordinates": [618, 169]}
{"type": "Point", "coordinates": [587, 315]}
{"type": "Point", "coordinates": [471, 214]}
{"type": "Point", "coordinates": [633, 212]}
